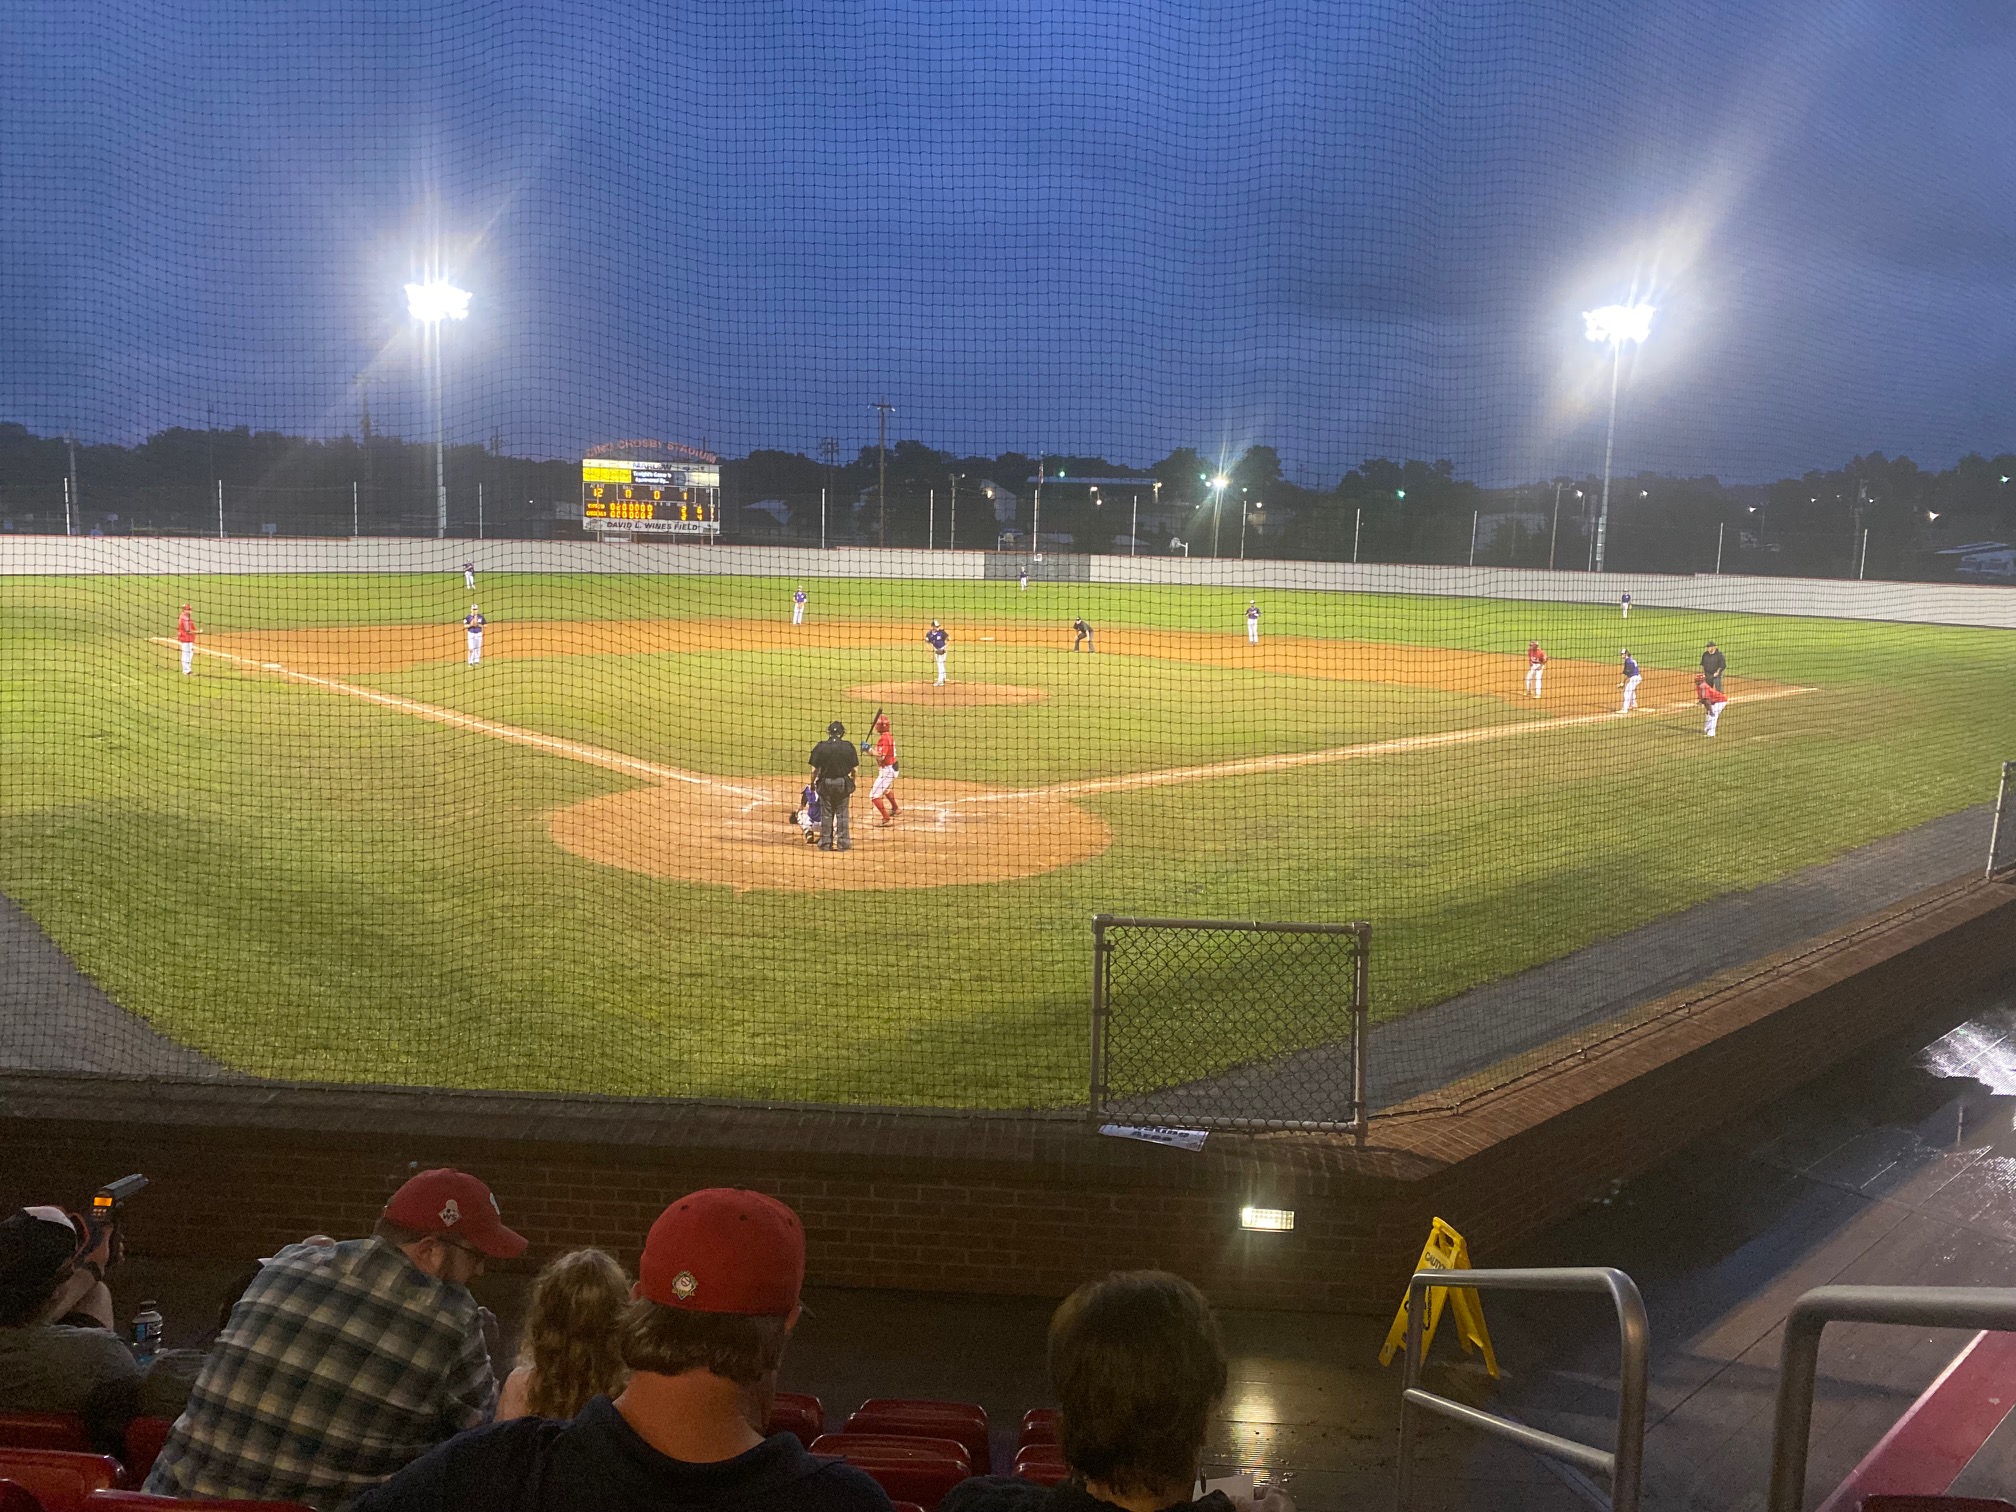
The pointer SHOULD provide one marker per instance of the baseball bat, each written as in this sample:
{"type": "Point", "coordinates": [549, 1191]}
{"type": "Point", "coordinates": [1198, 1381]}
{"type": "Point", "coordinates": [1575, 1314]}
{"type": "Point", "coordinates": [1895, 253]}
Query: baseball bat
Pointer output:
{"type": "Point", "coordinates": [869, 743]}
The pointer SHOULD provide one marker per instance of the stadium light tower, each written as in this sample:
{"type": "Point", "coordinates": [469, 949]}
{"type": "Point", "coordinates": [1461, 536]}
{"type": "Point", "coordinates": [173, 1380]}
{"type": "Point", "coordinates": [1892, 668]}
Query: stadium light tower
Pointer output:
{"type": "Point", "coordinates": [1615, 324]}
{"type": "Point", "coordinates": [430, 303]}
{"type": "Point", "coordinates": [1218, 486]}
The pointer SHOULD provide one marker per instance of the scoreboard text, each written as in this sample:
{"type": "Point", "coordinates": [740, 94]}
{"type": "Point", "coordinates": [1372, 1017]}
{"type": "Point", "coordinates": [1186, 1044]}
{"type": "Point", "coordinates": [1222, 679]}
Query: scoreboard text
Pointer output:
{"type": "Point", "coordinates": [667, 497]}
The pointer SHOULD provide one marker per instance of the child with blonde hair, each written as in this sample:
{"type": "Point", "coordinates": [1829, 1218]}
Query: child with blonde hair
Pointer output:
{"type": "Point", "coordinates": [571, 1352]}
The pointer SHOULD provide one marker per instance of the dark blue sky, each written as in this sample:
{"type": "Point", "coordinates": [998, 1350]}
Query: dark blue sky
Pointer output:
{"type": "Point", "coordinates": [1094, 226]}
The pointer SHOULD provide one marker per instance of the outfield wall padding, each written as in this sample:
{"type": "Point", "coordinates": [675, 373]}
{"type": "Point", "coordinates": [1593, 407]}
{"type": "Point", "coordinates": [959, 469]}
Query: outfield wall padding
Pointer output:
{"type": "Point", "coordinates": [1978, 605]}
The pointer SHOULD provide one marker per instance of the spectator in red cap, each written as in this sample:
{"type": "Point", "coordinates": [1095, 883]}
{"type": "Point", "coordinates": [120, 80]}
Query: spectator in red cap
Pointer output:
{"type": "Point", "coordinates": [343, 1362]}
{"type": "Point", "coordinates": [715, 1300]}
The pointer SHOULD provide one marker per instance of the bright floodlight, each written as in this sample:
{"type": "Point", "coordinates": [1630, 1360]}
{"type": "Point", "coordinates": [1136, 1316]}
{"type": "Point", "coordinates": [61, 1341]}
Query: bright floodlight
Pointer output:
{"type": "Point", "coordinates": [1617, 324]}
{"type": "Point", "coordinates": [435, 300]}
{"type": "Point", "coordinates": [1221, 481]}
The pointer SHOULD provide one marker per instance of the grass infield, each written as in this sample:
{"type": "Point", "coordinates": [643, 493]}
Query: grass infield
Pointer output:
{"type": "Point", "coordinates": [307, 884]}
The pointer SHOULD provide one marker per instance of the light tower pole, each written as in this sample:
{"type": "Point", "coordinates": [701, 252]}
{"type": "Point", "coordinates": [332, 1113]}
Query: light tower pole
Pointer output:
{"type": "Point", "coordinates": [431, 303]}
{"type": "Point", "coordinates": [1615, 324]}
{"type": "Point", "coordinates": [882, 474]}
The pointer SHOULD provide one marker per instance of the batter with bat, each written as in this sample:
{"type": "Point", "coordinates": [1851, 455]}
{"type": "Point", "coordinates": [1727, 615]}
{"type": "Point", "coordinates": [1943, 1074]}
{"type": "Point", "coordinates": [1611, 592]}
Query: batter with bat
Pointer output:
{"type": "Point", "coordinates": [883, 748]}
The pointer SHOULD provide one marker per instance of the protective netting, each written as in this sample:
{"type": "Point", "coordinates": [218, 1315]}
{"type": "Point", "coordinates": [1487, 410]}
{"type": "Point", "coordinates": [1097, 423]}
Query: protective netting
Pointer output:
{"type": "Point", "coordinates": [1080, 333]}
{"type": "Point", "coordinates": [1272, 1015]}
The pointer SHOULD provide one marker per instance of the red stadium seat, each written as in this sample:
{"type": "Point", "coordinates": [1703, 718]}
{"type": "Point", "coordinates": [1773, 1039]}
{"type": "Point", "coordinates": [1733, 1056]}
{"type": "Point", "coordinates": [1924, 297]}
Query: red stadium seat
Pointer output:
{"type": "Point", "coordinates": [60, 1479]}
{"type": "Point", "coordinates": [856, 1446]}
{"type": "Point", "coordinates": [140, 1501]}
{"type": "Point", "coordinates": [954, 1420]}
{"type": "Point", "coordinates": [897, 1506]}
{"type": "Point", "coordinates": [15, 1497]}
{"type": "Point", "coordinates": [143, 1441]}
{"type": "Point", "coordinates": [1041, 1463]}
{"type": "Point", "coordinates": [44, 1430]}
{"type": "Point", "coordinates": [798, 1413]}
{"type": "Point", "coordinates": [1901, 1503]}
{"type": "Point", "coordinates": [1039, 1426]}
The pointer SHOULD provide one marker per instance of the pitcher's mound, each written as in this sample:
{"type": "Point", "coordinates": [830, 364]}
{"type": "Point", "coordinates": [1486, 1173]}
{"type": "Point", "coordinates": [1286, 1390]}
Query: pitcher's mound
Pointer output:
{"type": "Point", "coordinates": [949, 834]}
{"type": "Point", "coordinates": [955, 694]}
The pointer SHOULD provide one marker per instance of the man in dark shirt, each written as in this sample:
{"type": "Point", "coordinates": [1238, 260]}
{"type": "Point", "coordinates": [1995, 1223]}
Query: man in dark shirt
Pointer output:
{"type": "Point", "coordinates": [1713, 665]}
{"type": "Point", "coordinates": [833, 763]}
{"type": "Point", "coordinates": [715, 1301]}
{"type": "Point", "coordinates": [58, 1349]}
{"type": "Point", "coordinates": [1084, 634]}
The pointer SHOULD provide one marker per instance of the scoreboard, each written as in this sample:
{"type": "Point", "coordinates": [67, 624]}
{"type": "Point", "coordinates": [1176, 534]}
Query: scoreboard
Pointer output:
{"type": "Point", "coordinates": [669, 498]}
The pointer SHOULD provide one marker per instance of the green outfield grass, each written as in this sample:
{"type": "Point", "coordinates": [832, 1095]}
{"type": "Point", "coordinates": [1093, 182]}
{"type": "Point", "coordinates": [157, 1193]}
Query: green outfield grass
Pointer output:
{"type": "Point", "coordinates": [305, 885]}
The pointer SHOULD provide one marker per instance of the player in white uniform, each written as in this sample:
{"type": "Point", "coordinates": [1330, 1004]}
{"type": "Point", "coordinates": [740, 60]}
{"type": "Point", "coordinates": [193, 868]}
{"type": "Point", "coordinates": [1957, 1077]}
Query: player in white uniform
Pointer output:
{"type": "Point", "coordinates": [473, 623]}
{"type": "Point", "coordinates": [1022, 580]}
{"type": "Point", "coordinates": [1624, 603]}
{"type": "Point", "coordinates": [1632, 677]}
{"type": "Point", "coordinates": [1713, 699]}
{"type": "Point", "coordinates": [469, 576]}
{"type": "Point", "coordinates": [1536, 667]}
{"type": "Point", "coordinates": [1252, 623]}
{"type": "Point", "coordinates": [936, 638]}
{"type": "Point", "coordinates": [798, 607]}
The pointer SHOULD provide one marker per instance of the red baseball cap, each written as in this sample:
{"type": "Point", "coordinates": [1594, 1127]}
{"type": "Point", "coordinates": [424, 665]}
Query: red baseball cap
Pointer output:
{"type": "Point", "coordinates": [454, 1202]}
{"type": "Point", "coordinates": [725, 1250]}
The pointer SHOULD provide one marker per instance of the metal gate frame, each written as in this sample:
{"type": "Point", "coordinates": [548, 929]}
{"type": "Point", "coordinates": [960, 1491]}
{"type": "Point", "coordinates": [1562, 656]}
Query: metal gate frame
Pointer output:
{"type": "Point", "coordinates": [1360, 1013]}
{"type": "Point", "coordinates": [2003, 798]}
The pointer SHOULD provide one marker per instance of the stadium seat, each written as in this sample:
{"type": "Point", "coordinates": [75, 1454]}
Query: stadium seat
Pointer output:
{"type": "Point", "coordinates": [60, 1479]}
{"type": "Point", "coordinates": [798, 1413]}
{"type": "Point", "coordinates": [142, 1443]}
{"type": "Point", "coordinates": [854, 1446]}
{"type": "Point", "coordinates": [140, 1501]}
{"type": "Point", "coordinates": [44, 1430]}
{"type": "Point", "coordinates": [1041, 1463]}
{"type": "Point", "coordinates": [954, 1420]}
{"type": "Point", "coordinates": [1900, 1503]}
{"type": "Point", "coordinates": [15, 1497]}
{"type": "Point", "coordinates": [1039, 1426]}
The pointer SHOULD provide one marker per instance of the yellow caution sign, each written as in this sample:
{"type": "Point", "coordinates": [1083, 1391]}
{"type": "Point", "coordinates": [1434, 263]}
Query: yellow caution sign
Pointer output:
{"type": "Point", "coordinates": [1445, 1250]}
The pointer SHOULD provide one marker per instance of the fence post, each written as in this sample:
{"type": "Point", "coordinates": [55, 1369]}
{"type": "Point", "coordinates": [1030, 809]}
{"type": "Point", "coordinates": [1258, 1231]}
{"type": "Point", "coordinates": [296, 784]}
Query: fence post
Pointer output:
{"type": "Point", "coordinates": [1361, 1015]}
{"type": "Point", "coordinates": [1095, 1095]}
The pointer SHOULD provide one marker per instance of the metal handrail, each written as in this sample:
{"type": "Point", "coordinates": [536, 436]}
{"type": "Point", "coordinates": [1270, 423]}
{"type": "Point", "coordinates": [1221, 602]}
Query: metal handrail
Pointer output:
{"type": "Point", "coordinates": [2004, 795]}
{"type": "Point", "coordinates": [1976, 1307]}
{"type": "Point", "coordinates": [1623, 1465]}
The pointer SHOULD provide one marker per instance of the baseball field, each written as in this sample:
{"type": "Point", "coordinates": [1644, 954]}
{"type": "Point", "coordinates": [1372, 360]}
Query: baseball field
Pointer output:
{"type": "Point", "coordinates": [339, 852]}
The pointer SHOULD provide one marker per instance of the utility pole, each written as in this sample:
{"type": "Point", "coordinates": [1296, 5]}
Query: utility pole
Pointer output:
{"type": "Point", "coordinates": [1036, 514]}
{"type": "Point", "coordinates": [952, 529]}
{"type": "Point", "coordinates": [1554, 535]}
{"type": "Point", "coordinates": [75, 498]}
{"type": "Point", "coordinates": [882, 474]}
{"type": "Point", "coordinates": [931, 522]}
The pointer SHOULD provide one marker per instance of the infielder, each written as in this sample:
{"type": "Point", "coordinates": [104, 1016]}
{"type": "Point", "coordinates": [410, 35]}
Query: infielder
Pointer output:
{"type": "Point", "coordinates": [883, 749]}
{"type": "Point", "coordinates": [798, 607]}
{"type": "Point", "coordinates": [1713, 699]}
{"type": "Point", "coordinates": [1624, 603]}
{"type": "Point", "coordinates": [1252, 623]}
{"type": "Point", "coordinates": [469, 576]}
{"type": "Point", "coordinates": [1632, 677]}
{"type": "Point", "coordinates": [936, 638]}
{"type": "Point", "coordinates": [185, 632]}
{"type": "Point", "coordinates": [472, 624]}
{"type": "Point", "coordinates": [1536, 667]}
{"type": "Point", "coordinates": [1084, 636]}
{"type": "Point", "coordinates": [1713, 665]}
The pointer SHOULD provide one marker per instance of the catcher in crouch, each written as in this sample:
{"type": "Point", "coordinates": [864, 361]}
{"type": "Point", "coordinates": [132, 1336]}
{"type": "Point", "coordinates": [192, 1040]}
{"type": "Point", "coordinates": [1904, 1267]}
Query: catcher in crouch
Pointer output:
{"type": "Point", "coordinates": [883, 749]}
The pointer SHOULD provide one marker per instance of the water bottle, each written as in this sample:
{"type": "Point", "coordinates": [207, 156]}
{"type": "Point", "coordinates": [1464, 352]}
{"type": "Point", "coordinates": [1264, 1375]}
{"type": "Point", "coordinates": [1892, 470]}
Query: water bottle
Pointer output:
{"type": "Point", "coordinates": [146, 1333]}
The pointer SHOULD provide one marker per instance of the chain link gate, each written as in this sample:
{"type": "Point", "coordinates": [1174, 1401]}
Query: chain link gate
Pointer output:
{"type": "Point", "coordinates": [1221, 1024]}
{"type": "Point", "coordinates": [2002, 835]}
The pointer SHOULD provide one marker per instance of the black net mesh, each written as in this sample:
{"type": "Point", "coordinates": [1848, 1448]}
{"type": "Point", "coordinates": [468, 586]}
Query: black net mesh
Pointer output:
{"type": "Point", "coordinates": [1204, 1024]}
{"type": "Point", "coordinates": [1080, 331]}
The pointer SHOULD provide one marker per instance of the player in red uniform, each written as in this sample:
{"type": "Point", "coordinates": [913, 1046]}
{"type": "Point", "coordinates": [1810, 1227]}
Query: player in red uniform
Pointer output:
{"type": "Point", "coordinates": [1536, 667]}
{"type": "Point", "coordinates": [185, 632]}
{"type": "Point", "coordinates": [1712, 699]}
{"type": "Point", "coordinates": [883, 749]}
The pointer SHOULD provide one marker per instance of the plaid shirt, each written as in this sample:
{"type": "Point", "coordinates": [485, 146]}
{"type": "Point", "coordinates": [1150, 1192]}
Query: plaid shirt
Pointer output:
{"type": "Point", "coordinates": [339, 1365]}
